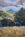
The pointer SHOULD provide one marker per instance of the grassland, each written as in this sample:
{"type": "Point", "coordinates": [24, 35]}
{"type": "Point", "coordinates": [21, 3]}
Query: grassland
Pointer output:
{"type": "Point", "coordinates": [12, 32]}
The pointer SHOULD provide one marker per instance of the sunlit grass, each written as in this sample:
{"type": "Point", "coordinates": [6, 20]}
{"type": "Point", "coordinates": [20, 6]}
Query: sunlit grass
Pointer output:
{"type": "Point", "coordinates": [1, 18]}
{"type": "Point", "coordinates": [13, 32]}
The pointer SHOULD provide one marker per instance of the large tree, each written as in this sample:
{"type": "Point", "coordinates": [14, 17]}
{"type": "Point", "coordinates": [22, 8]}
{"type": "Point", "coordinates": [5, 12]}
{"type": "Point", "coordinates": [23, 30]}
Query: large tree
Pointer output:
{"type": "Point", "coordinates": [5, 19]}
{"type": "Point", "coordinates": [20, 16]}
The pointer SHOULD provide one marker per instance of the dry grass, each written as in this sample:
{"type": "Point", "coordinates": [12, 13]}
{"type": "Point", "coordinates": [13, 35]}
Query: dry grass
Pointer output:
{"type": "Point", "coordinates": [13, 32]}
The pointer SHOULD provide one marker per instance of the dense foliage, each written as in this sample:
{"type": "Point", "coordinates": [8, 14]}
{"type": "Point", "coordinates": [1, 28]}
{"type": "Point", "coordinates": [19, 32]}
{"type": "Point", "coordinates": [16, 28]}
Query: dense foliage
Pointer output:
{"type": "Point", "coordinates": [6, 19]}
{"type": "Point", "coordinates": [19, 19]}
{"type": "Point", "coordinates": [20, 16]}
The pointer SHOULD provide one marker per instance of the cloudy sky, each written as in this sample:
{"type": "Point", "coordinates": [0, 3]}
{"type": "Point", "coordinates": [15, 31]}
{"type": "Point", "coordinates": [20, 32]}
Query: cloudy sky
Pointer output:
{"type": "Point", "coordinates": [13, 1]}
{"type": "Point", "coordinates": [11, 7]}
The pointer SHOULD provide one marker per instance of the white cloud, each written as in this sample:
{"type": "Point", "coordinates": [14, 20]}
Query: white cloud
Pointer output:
{"type": "Point", "coordinates": [11, 7]}
{"type": "Point", "coordinates": [11, 1]}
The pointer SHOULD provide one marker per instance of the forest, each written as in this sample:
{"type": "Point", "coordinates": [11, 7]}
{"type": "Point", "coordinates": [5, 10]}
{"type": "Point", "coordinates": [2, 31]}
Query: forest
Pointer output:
{"type": "Point", "coordinates": [7, 19]}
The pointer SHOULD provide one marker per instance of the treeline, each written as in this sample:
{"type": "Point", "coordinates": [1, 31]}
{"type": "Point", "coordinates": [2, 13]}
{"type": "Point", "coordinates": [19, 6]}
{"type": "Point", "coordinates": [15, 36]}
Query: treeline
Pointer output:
{"type": "Point", "coordinates": [19, 19]}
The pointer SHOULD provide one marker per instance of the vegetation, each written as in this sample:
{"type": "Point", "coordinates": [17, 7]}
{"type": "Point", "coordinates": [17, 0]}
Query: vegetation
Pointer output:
{"type": "Point", "coordinates": [12, 32]}
{"type": "Point", "coordinates": [20, 16]}
{"type": "Point", "coordinates": [7, 19]}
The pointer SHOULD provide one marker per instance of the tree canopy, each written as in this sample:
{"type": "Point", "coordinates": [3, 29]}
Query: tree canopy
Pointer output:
{"type": "Point", "coordinates": [20, 16]}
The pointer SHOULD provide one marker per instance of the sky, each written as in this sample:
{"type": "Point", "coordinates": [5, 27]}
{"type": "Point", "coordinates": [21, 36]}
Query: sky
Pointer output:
{"type": "Point", "coordinates": [16, 9]}
{"type": "Point", "coordinates": [11, 7]}
{"type": "Point", "coordinates": [13, 1]}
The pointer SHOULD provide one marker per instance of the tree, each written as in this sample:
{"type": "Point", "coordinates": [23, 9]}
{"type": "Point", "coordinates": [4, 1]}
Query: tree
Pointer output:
{"type": "Point", "coordinates": [1, 13]}
{"type": "Point", "coordinates": [4, 22]}
{"type": "Point", "coordinates": [20, 16]}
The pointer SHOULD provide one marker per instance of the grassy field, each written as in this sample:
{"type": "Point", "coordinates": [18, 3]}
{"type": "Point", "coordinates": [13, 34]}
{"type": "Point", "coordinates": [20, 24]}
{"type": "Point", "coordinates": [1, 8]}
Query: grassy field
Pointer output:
{"type": "Point", "coordinates": [12, 32]}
